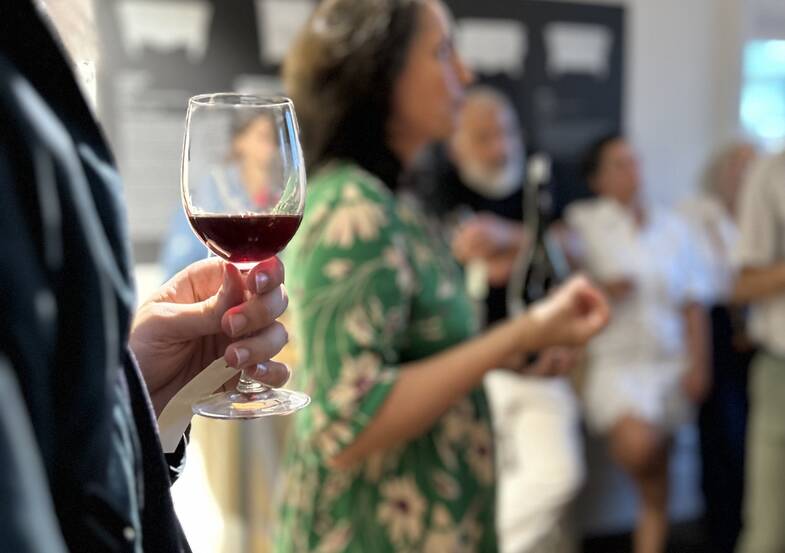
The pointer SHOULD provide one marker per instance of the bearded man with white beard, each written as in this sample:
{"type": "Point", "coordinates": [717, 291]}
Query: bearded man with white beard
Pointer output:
{"type": "Point", "coordinates": [474, 185]}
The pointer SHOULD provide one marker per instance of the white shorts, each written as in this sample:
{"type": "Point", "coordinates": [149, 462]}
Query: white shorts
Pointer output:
{"type": "Point", "coordinates": [651, 392]}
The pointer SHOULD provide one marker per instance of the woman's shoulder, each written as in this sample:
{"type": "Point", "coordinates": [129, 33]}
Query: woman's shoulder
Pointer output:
{"type": "Point", "coordinates": [591, 212]}
{"type": "Point", "coordinates": [681, 232]}
{"type": "Point", "coordinates": [347, 208]}
{"type": "Point", "coordinates": [700, 206]}
{"type": "Point", "coordinates": [675, 218]}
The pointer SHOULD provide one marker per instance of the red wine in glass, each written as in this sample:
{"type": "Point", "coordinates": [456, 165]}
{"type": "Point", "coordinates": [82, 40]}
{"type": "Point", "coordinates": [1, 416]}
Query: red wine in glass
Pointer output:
{"type": "Point", "coordinates": [244, 239]}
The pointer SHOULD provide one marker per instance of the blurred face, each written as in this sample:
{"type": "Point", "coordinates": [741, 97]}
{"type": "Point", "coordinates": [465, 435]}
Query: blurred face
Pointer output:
{"type": "Point", "coordinates": [487, 146]}
{"type": "Point", "coordinates": [255, 145]}
{"type": "Point", "coordinates": [429, 91]}
{"type": "Point", "coordinates": [618, 175]}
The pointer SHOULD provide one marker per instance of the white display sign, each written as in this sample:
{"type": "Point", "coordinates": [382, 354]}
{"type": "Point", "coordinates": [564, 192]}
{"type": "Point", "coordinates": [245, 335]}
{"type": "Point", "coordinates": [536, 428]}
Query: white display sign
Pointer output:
{"type": "Point", "coordinates": [165, 25]}
{"type": "Point", "coordinates": [578, 48]}
{"type": "Point", "coordinates": [492, 45]}
{"type": "Point", "coordinates": [279, 22]}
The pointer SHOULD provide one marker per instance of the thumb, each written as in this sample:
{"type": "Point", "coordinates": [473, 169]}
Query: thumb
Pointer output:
{"type": "Point", "coordinates": [194, 320]}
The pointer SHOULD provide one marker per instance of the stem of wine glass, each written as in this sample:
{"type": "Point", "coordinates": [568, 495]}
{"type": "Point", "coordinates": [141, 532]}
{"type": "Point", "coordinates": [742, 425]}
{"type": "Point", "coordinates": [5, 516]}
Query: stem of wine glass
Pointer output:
{"type": "Point", "coordinates": [248, 385]}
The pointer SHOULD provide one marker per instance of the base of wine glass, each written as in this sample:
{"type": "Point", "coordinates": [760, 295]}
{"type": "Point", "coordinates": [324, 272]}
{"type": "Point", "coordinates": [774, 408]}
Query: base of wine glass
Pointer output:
{"type": "Point", "coordinates": [237, 405]}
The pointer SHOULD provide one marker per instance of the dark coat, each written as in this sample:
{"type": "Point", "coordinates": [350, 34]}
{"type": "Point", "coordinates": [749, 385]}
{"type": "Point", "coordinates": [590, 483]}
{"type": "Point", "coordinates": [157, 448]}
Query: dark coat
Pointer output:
{"type": "Point", "coordinates": [81, 466]}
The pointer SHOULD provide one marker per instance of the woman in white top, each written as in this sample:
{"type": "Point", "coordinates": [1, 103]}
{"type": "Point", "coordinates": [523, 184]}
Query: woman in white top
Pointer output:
{"type": "Point", "coordinates": [649, 366]}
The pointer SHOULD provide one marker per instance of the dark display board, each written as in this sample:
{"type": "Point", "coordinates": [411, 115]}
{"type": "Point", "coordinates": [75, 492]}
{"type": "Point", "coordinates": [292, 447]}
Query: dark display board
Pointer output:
{"type": "Point", "coordinates": [561, 63]}
{"type": "Point", "coordinates": [569, 87]}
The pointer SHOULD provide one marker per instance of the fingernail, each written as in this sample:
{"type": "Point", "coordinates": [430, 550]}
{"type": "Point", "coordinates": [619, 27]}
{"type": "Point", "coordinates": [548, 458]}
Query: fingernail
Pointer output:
{"type": "Point", "coordinates": [237, 324]}
{"type": "Point", "coordinates": [242, 355]}
{"type": "Point", "coordinates": [261, 370]}
{"type": "Point", "coordinates": [261, 282]}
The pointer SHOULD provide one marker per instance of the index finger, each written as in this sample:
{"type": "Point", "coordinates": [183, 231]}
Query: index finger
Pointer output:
{"type": "Point", "coordinates": [265, 276]}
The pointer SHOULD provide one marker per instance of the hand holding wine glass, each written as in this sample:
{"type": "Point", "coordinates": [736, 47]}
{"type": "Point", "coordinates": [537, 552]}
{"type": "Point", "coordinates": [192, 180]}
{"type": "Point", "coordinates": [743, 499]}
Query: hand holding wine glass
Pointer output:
{"type": "Point", "coordinates": [243, 188]}
{"type": "Point", "coordinates": [189, 322]}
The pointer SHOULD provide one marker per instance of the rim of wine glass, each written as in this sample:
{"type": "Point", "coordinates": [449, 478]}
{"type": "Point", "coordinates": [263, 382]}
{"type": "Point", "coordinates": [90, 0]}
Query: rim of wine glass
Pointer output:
{"type": "Point", "coordinates": [247, 100]}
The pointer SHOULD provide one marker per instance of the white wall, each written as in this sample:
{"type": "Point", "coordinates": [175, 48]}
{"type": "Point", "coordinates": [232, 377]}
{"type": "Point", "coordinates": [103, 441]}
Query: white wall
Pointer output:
{"type": "Point", "coordinates": [670, 111]}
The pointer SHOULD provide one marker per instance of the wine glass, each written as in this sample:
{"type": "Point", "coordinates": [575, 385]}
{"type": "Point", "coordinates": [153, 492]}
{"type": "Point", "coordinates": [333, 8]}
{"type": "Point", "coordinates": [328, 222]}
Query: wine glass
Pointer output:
{"type": "Point", "coordinates": [243, 190]}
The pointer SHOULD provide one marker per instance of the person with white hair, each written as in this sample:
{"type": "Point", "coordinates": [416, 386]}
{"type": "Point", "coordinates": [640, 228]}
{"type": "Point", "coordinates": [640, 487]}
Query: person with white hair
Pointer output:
{"type": "Point", "coordinates": [474, 184]}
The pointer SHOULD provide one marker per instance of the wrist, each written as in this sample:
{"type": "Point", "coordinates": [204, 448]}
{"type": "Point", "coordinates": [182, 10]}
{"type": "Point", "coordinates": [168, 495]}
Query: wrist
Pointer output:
{"type": "Point", "coordinates": [531, 329]}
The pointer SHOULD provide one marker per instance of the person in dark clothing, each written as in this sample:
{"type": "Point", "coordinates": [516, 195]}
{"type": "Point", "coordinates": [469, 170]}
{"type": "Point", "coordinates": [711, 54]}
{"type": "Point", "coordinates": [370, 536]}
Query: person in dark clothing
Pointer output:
{"type": "Point", "coordinates": [474, 185]}
{"type": "Point", "coordinates": [722, 422]}
{"type": "Point", "coordinates": [81, 378]}
{"type": "Point", "coordinates": [722, 419]}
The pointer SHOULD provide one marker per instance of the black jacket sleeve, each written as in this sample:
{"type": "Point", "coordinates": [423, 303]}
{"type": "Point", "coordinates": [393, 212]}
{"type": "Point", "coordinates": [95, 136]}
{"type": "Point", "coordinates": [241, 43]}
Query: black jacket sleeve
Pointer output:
{"type": "Point", "coordinates": [27, 520]}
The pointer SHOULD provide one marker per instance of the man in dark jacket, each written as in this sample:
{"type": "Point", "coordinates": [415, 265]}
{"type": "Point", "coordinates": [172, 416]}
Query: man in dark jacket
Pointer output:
{"type": "Point", "coordinates": [81, 379]}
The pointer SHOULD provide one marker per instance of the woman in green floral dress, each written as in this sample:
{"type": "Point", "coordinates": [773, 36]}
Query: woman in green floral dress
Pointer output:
{"type": "Point", "coordinates": [396, 452]}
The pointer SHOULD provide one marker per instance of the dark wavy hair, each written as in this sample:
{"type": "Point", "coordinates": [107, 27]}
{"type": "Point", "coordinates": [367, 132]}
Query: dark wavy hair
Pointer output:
{"type": "Point", "coordinates": [341, 72]}
{"type": "Point", "coordinates": [593, 156]}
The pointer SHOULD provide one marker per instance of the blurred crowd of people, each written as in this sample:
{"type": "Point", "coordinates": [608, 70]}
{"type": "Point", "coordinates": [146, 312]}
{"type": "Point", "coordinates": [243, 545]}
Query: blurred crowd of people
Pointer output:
{"type": "Point", "coordinates": [675, 348]}
{"type": "Point", "coordinates": [443, 420]}
{"type": "Point", "coordinates": [685, 285]}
